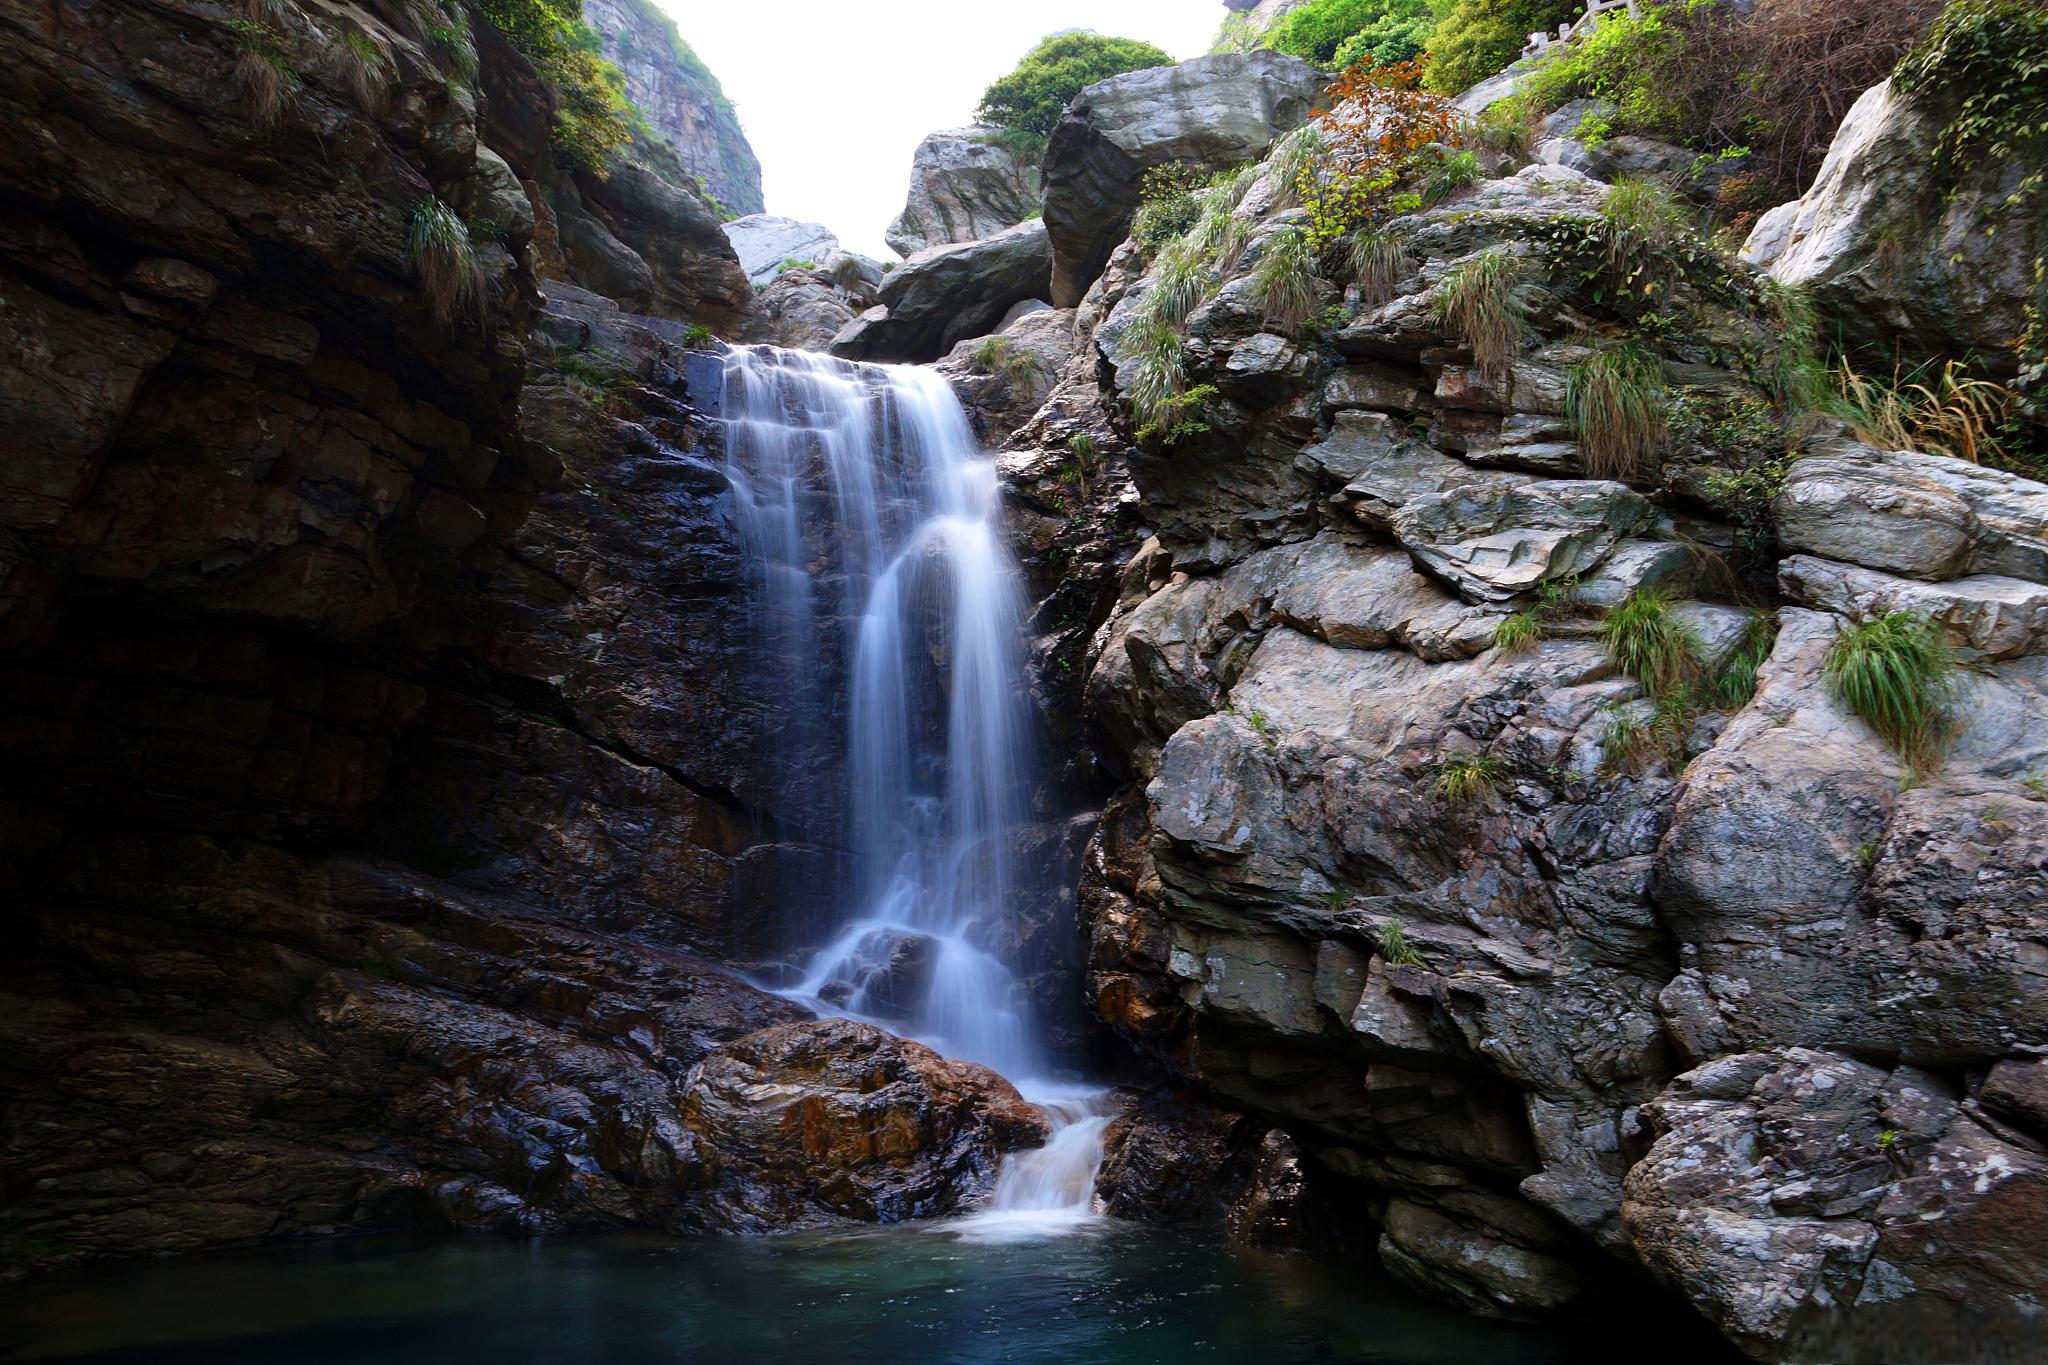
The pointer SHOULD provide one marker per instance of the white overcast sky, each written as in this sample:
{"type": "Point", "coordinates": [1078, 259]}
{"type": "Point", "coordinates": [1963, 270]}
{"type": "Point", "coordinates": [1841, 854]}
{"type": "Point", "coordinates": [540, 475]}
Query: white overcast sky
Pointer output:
{"type": "Point", "coordinates": [835, 96]}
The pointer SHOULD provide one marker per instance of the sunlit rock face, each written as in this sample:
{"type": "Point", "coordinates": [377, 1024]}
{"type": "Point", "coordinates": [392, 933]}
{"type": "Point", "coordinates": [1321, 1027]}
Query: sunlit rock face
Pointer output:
{"type": "Point", "coordinates": [965, 184]}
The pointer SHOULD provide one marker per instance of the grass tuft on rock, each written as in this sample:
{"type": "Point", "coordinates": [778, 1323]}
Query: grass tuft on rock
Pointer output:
{"type": "Point", "coordinates": [1284, 281]}
{"type": "Point", "coordinates": [999, 356]}
{"type": "Point", "coordinates": [1518, 632]}
{"type": "Point", "coordinates": [1394, 947]}
{"type": "Point", "coordinates": [444, 261]}
{"type": "Point", "coordinates": [1614, 400]}
{"type": "Point", "coordinates": [1481, 302]}
{"type": "Point", "coordinates": [1375, 260]}
{"type": "Point", "coordinates": [1453, 173]}
{"type": "Point", "coordinates": [1898, 673]}
{"type": "Point", "coordinates": [1647, 640]}
{"type": "Point", "coordinates": [1464, 778]}
{"type": "Point", "coordinates": [364, 69]}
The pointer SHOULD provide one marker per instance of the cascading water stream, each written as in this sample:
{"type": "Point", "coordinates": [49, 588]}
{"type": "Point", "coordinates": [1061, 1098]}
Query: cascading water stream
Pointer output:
{"type": "Point", "coordinates": [889, 610]}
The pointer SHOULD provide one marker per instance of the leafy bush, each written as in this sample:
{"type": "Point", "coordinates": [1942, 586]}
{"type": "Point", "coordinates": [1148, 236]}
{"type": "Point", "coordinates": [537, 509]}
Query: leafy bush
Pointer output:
{"type": "Point", "coordinates": [1283, 282]}
{"type": "Point", "coordinates": [1176, 419]}
{"type": "Point", "coordinates": [592, 119]}
{"type": "Point", "coordinates": [1475, 38]}
{"type": "Point", "coordinates": [1166, 205]}
{"type": "Point", "coordinates": [1647, 641]}
{"type": "Point", "coordinates": [1614, 400]}
{"type": "Point", "coordinates": [444, 261]}
{"type": "Point", "coordinates": [1034, 95]}
{"type": "Point", "coordinates": [1896, 671]}
{"type": "Point", "coordinates": [697, 336]}
{"type": "Point", "coordinates": [1481, 302]}
{"type": "Point", "coordinates": [1770, 81]}
{"type": "Point", "coordinates": [1465, 778]}
{"type": "Point", "coordinates": [1380, 127]}
{"type": "Point", "coordinates": [1338, 33]}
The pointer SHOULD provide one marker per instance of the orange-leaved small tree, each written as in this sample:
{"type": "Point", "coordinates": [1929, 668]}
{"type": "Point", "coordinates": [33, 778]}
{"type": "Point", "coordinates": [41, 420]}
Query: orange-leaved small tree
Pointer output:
{"type": "Point", "coordinates": [1379, 127]}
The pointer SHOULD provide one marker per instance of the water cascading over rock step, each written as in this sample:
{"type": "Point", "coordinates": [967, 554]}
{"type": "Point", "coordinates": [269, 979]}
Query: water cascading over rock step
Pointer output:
{"type": "Point", "coordinates": [888, 619]}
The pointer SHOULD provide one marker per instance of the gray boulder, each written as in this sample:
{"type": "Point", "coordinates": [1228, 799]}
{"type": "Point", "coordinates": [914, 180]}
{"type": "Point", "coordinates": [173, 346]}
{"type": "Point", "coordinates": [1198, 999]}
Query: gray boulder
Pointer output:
{"type": "Point", "coordinates": [1894, 253]}
{"type": "Point", "coordinates": [1213, 111]}
{"type": "Point", "coordinates": [763, 241]}
{"type": "Point", "coordinates": [965, 184]}
{"type": "Point", "coordinates": [1493, 541]}
{"type": "Point", "coordinates": [941, 296]}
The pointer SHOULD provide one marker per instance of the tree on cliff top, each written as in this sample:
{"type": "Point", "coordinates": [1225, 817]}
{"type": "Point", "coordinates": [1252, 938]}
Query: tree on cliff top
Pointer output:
{"type": "Point", "coordinates": [1032, 97]}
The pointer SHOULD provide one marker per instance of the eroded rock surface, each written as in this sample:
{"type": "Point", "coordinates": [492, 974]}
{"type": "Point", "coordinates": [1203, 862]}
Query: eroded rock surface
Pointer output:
{"type": "Point", "coordinates": [965, 184]}
{"type": "Point", "coordinates": [947, 293]}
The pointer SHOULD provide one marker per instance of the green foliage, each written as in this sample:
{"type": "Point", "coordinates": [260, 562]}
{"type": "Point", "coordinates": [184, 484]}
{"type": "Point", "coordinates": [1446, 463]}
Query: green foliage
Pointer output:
{"type": "Point", "coordinates": [1452, 173]}
{"type": "Point", "coordinates": [364, 69]}
{"type": "Point", "coordinates": [1517, 632]}
{"type": "Point", "coordinates": [265, 76]}
{"type": "Point", "coordinates": [1897, 672]}
{"type": "Point", "coordinates": [1475, 38]}
{"type": "Point", "coordinates": [1614, 400]}
{"type": "Point", "coordinates": [592, 117]}
{"type": "Point", "coordinates": [1034, 95]}
{"type": "Point", "coordinates": [1632, 741]}
{"type": "Point", "coordinates": [999, 356]}
{"type": "Point", "coordinates": [697, 336]}
{"type": "Point", "coordinates": [1746, 493]}
{"type": "Point", "coordinates": [1375, 261]}
{"type": "Point", "coordinates": [1736, 683]}
{"type": "Point", "coordinates": [1646, 640]}
{"type": "Point", "coordinates": [444, 261]}
{"type": "Point", "coordinates": [1395, 950]}
{"type": "Point", "coordinates": [1177, 417]}
{"type": "Point", "coordinates": [1346, 167]}
{"type": "Point", "coordinates": [1642, 220]}
{"type": "Point", "coordinates": [1793, 371]}
{"type": "Point", "coordinates": [1989, 58]}
{"type": "Point", "coordinates": [1464, 778]}
{"type": "Point", "coordinates": [586, 373]}
{"type": "Point", "coordinates": [1481, 302]}
{"type": "Point", "coordinates": [1167, 206]}
{"type": "Point", "coordinates": [1295, 155]}
{"type": "Point", "coordinates": [1283, 282]}
{"type": "Point", "coordinates": [1335, 34]}
{"type": "Point", "coordinates": [1558, 597]}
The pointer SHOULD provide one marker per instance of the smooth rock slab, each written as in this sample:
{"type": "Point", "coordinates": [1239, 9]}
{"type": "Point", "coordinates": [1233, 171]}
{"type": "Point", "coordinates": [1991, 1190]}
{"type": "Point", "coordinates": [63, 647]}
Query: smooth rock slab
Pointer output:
{"type": "Point", "coordinates": [1497, 540]}
{"type": "Point", "coordinates": [965, 184]}
{"type": "Point", "coordinates": [939, 297]}
{"type": "Point", "coordinates": [1999, 617]}
{"type": "Point", "coordinates": [763, 241]}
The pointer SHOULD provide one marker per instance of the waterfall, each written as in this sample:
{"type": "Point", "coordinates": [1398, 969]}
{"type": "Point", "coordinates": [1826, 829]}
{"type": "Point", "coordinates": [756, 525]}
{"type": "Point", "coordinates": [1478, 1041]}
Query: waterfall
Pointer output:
{"type": "Point", "coordinates": [889, 614]}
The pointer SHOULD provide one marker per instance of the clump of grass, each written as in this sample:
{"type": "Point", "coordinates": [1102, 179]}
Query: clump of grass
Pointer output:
{"type": "Point", "coordinates": [1395, 950]}
{"type": "Point", "coordinates": [1792, 370]}
{"type": "Point", "coordinates": [1944, 411]}
{"type": "Point", "coordinates": [1453, 172]}
{"type": "Point", "coordinates": [1646, 640]}
{"type": "Point", "coordinates": [1465, 778]}
{"type": "Point", "coordinates": [586, 373]}
{"type": "Point", "coordinates": [1291, 154]}
{"type": "Point", "coordinates": [1898, 673]}
{"type": "Point", "coordinates": [1632, 742]}
{"type": "Point", "coordinates": [1515, 633]}
{"type": "Point", "coordinates": [697, 336]}
{"type": "Point", "coordinates": [1283, 282]}
{"type": "Point", "coordinates": [1558, 597]}
{"type": "Point", "coordinates": [1500, 128]}
{"type": "Point", "coordinates": [1640, 218]}
{"type": "Point", "coordinates": [1614, 400]}
{"type": "Point", "coordinates": [444, 261]}
{"type": "Point", "coordinates": [1219, 236]}
{"type": "Point", "coordinates": [845, 272]}
{"type": "Point", "coordinates": [1159, 374]}
{"type": "Point", "coordinates": [364, 68]}
{"type": "Point", "coordinates": [1481, 302]}
{"type": "Point", "coordinates": [261, 69]}
{"type": "Point", "coordinates": [1736, 683]}
{"type": "Point", "coordinates": [999, 356]}
{"type": "Point", "coordinates": [1375, 261]}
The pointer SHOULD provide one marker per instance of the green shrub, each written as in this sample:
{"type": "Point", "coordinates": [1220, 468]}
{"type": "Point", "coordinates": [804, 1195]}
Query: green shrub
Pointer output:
{"type": "Point", "coordinates": [1177, 417]}
{"type": "Point", "coordinates": [592, 117]}
{"type": "Point", "coordinates": [1614, 400]}
{"type": "Point", "coordinates": [1395, 950]}
{"type": "Point", "coordinates": [1517, 632]}
{"type": "Point", "coordinates": [1166, 206]}
{"type": "Point", "coordinates": [697, 336]}
{"type": "Point", "coordinates": [1994, 55]}
{"type": "Point", "coordinates": [1335, 34]}
{"type": "Point", "coordinates": [1641, 219]}
{"type": "Point", "coordinates": [1481, 302]}
{"type": "Point", "coordinates": [444, 261]}
{"type": "Point", "coordinates": [1474, 39]}
{"type": "Point", "coordinates": [1283, 282]}
{"type": "Point", "coordinates": [1646, 640]}
{"type": "Point", "coordinates": [1464, 778]}
{"type": "Point", "coordinates": [1293, 156]}
{"type": "Point", "coordinates": [1897, 672]}
{"type": "Point", "coordinates": [1375, 261]}
{"type": "Point", "coordinates": [1034, 95]}
{"type": "Point", "coordinates": [1452, 173]}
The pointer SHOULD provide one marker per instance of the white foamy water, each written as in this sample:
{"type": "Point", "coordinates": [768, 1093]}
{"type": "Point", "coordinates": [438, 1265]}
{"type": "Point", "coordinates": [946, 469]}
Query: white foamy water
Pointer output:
{"type": "Point", "coordinates": [872, 527]}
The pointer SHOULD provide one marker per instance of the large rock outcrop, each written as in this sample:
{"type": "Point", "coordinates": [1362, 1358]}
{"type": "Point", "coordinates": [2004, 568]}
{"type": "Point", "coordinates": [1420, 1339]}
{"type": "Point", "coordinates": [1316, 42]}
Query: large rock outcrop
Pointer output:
{"type": "Point", "coordinates": [764, 242]}
{"type": "Point", "coordinates": [1892, 239]}
{"type": "Point", "coordinates": [1213, 111]}
{"type": "Point", "coordinates": [1461, 919]}
{"type": "Point", "coordinates": [681, 99]}
{"type": "Point", "coordinates": [941, 296]}
{"type": "Point", "coordinates": [965, 184]}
